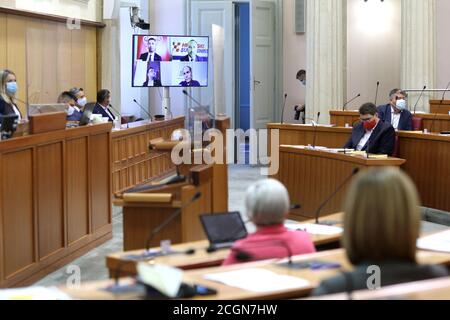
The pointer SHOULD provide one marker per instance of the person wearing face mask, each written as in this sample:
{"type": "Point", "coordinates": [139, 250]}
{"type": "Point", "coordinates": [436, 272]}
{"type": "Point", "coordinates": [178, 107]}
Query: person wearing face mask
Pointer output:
{"type": "Point", "coordinates": [73, 112]}
{"type": "Point", "coordinates": [301, 76]}
{"type": "Point", "coordinates": [396, 111]}
{"type": "Point", "coordinates": [8, 90]}
{"type": "Point", "coordinates": [372, 135]}
{"type": "Point", "coordinates": [80, 97]}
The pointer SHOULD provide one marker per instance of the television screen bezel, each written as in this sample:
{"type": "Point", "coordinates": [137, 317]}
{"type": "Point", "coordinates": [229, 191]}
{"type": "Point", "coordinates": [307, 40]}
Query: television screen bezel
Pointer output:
{"type": "Point", "coordinates": [170, 36]}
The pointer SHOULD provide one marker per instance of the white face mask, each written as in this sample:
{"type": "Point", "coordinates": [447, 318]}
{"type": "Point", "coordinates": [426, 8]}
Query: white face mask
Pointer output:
{"type": "Point", "coordinates": [401, 105]}
{"type": "Point", "coordinates": [82, 102]}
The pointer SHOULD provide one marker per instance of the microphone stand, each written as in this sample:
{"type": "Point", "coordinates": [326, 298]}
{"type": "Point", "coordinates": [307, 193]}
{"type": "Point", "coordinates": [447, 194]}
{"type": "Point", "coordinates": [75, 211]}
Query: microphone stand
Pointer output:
{"type": "Point", "coordinates": [348, 102]}
{"type": "Point", "coordinates": [376, 93]}
{"type": "Point", "coordinates": [143, 109]}
{"type": "Point", "coordinates": [421, 94]}
{"type": "Point", "coordinates": [284, 107]}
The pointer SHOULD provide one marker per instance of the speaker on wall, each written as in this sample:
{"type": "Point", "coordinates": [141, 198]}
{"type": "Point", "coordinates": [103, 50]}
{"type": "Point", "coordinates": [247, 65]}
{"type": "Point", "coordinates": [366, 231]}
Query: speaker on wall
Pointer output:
{"type": "Point", "coordinates": [300, 16]}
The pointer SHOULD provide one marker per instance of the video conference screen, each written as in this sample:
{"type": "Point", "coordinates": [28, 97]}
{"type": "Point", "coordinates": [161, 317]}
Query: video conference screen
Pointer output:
{"type": "Point", "coordinates": [170, 61]}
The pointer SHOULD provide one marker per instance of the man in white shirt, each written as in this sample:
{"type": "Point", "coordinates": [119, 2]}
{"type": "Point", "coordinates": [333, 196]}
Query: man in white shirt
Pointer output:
{"type": "Point", "coordinates": [372, 135]}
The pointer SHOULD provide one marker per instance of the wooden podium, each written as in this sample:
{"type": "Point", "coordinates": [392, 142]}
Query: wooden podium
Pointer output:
{"type": "Point", "coordinates": [311, 176]}
{"type": "Point", "coordinates": [145, 211]}
{"type": "Point", "coordinates": [436, 107]}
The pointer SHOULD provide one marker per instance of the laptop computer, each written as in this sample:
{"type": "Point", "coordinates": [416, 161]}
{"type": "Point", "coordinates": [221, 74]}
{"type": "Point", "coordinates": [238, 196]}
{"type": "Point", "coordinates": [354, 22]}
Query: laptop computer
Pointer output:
{"type": "Point", "coordinates": [87, 113]}
{"type": "Point", "coordinates": [223, 229]}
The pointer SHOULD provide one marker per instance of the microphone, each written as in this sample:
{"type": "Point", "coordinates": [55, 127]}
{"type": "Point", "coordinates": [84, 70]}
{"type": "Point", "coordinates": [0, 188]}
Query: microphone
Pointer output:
{"type": "Point", "coordinates": [421, 94]}
{"type": "Point", "coordinates": [192, 98]}
{"type": "Point", "coordinates": [350, 101]}
{"type": "Point", "coordinates": [117, 113]}
{"type": "Point", "coordinates": [284, 107]}
{"type": "Point", "coordinates": [143, 109]}
{"type": "Point", "coordinates": [243, 256]}
{"type": "Point", "coordinates": [443, 95]}
{"type": "Point", "coordinates": [298, 111]}
{"type": "Point", "coordinates": [376, 93]}
{"type": "Point", "coordinates": [354, 172]}
{"type": "Point", "coordinates": [169, 220]}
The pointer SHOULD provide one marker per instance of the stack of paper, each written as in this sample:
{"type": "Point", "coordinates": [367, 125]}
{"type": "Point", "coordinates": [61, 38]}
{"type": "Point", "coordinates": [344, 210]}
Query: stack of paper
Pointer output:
{"type": "Point", "coordinates": [436, 242]}
{"type": "Point", "coordinates": [257, 280]}
{"type": "Point", "coordinates": [315, 229]}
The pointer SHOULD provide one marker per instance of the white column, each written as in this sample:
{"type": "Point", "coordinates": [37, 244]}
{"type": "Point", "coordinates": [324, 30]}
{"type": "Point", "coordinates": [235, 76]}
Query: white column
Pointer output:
{"type": "Point", "coordinates": [326, 57]}
{"type": "Point", "coordinates": [419, 49]}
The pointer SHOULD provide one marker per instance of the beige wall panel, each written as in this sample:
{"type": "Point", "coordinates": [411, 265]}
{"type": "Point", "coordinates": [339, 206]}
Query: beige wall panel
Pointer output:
{"type": "Point", "coordinates": [16, 54]}
{"type": "Point", "coordinates": [78, 73]}
{"type": "Point", "coordinates": [91, 63]}
{"type": "Point", "coordinates": [50, 91]}
{"type": "Point", "coordinates": [64, 57]}
{"type": "Point", "coordinates": [3, 41]}
{"type": "Point", "coordinates": [35, 59]}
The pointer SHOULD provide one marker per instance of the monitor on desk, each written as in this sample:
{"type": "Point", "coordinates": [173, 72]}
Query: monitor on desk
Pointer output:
{"type": "Point", "coordinates": [223, 229]}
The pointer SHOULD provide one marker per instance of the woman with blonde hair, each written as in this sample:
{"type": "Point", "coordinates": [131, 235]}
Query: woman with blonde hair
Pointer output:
{"type": "Point", "coordinates": [8, 90]}
{"type": "Point", "coordinates": [381, 227]}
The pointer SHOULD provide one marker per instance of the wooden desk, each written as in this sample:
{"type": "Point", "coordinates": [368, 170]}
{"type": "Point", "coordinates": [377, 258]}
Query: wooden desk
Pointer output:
{"type": "Point", "coordinates": [132, 161]}
{"type": "Point", "coordinates": [311, 176]}
{"type": "Point", "coordinates": [55, 200]}
{"type": "Point", "coordinates": [427, 157]}
{"type": "Point", "coordinates": [434, 121]}
{"type": "Point", "coordinates": [200, 259]}
{"type": "Point", "coordinates": [435, 289]}
{"type": "Point", "coordinates": [94, 290]}
{"type": "Point", "coordinates": [437, 107]}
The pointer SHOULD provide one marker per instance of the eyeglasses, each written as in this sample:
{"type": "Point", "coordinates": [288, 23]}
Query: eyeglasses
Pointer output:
{"type": "Point", "coordinates": [187, 72]}
{"type": "Point", "coordinates": [366, 119]}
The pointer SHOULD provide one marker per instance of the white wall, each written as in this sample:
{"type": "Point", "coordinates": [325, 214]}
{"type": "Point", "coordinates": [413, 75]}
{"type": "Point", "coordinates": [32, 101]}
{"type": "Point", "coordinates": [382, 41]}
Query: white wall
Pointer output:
{"type": "Point", "coordinates": [294, 60]}
{"type": "Point", "coordinates": [374, 49]}
{"type": "Point", "coordinates": [168, 17]}
{"type": "Point", "coordinates": [443, 44]}
{"type": "Point", "coordinates": [90, 10]}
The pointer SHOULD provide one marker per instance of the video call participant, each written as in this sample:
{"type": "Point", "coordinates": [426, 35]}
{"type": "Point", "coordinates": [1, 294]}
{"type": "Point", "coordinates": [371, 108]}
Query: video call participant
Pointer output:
{"type": "Point", "coordinates": [8, 90]}
{"type": "Point", "coordinates": [73, 112]}
{"type": "Point", "coordinates": [151, 55]}
{"type": "Point", "coordinates": [396, 111]}
{"type": "Point", "coordinates": [192, 53]}
{"type": "Point", "coordinates": [188, 80]}
{"type": "Point", "coordinates": [267, 205]}
{"type": "Point", "coordinates": [372, 135]}
{"type": "Point", "coordinates": [103, 104]}
{"type": "Point", "coordinates": [152, 79]}
{"type": "Point", "coordinates": [80, 97]}
{"type": "Point", "coordinates": [381, 227]}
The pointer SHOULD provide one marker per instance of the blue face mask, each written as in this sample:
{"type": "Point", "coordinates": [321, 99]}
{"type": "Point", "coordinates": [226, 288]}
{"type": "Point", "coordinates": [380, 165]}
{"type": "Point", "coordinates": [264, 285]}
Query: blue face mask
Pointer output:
{"type": "Point", "coordinates": [11, 87]}
{"type": "Point", "coordinates": [401, 105]}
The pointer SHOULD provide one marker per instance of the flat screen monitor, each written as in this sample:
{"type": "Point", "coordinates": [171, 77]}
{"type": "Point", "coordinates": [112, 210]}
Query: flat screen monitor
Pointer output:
{"type": "Point", "coordinates": [170, 61]}
{"type": "Point", "coordinates": [34, 109]}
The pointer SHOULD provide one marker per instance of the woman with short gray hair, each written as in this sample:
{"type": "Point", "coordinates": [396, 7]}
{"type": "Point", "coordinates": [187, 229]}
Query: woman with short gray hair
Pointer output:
{"type": "Point", "coordinates": [267, 204]}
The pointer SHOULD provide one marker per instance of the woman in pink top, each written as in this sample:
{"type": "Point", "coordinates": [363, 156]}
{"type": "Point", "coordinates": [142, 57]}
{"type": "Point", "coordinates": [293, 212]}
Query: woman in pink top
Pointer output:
{"type": "Point", "coordinates": [267, 204]}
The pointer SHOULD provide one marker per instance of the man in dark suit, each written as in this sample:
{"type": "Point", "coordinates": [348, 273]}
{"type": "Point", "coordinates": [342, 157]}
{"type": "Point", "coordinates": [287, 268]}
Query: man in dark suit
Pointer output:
{"type": "Point", "coordinates": [396, 111]}
{"type": "Point", "coordinates": [192, 53]}
{"type": "Point", "coordinates": [372, 135]}
{"type": "Point", "coordinates": [151, 55]}
{"type": "Point", "coordinates": [103, 104]}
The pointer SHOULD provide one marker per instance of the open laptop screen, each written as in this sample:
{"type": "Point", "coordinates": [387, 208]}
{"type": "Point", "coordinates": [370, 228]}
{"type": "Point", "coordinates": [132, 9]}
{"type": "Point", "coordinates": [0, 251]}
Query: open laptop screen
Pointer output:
{"type": "Point", "coordinates": [223, 227]}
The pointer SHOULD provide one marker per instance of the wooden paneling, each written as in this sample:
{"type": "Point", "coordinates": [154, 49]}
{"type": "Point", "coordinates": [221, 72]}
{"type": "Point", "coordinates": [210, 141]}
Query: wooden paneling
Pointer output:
{"type": "Point", "coordinates": [47, 57]}
{"type": "Point", "coordinates": [133, 162]}
{"type": "Point", "coordinates": [3, 42]}
{"type": "Point", "coordinates": [16, 55]}
{"type": "Point", "coordinates": [45, 198]}
{"type": "Point", "coordinates": [50, 198]}
{"type": "Point", "coordinates": [18, 211]}
{"type": "Point", "coordinates": [100, 180]}
{"type": "Point", "coordinates": [77, 190]}
{"type": "Point", "coordinates": [437, 107]}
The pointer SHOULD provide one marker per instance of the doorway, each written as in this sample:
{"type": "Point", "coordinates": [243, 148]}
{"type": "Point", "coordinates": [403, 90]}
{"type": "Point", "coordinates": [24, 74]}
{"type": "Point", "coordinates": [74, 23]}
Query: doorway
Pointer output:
{"type": "Point", "coordinates": [242, 71]}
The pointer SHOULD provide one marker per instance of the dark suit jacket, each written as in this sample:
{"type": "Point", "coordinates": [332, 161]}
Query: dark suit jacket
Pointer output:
{"type": "Point", "coordinates": [144, 57]}
{"type": "Point", "coordinates": [193, 83]}
{"type": "Point", "coordinates": [76, 116]}
{"type": "Point", "coordinates": [156, 83]}
{"type": "Point", "coordinates": [405, 123]}
{"type": "Point", "coordinates": [391, 273]}
{"type": "Point", "coordinates": [5, 108]}
{"type": "Point", "coordinates": [382, 140]}
{"type": "Point", "coordinates": [98, 109]}
{"type": "Point", "coordinates": [197, 58]}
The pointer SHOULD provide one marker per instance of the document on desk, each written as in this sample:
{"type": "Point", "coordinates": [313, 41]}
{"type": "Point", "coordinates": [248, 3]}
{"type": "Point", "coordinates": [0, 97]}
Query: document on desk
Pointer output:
{"type": "Point", "coordinates": [165, 279]}
{"type": "Point", "coordinates": [315, 229]}
{"type": "Point", "coordinates": [257, 280]}
{"type": "Point", "coordinates": [33, 293]}
{"type": "Point", "coordinates": [436, 242]}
